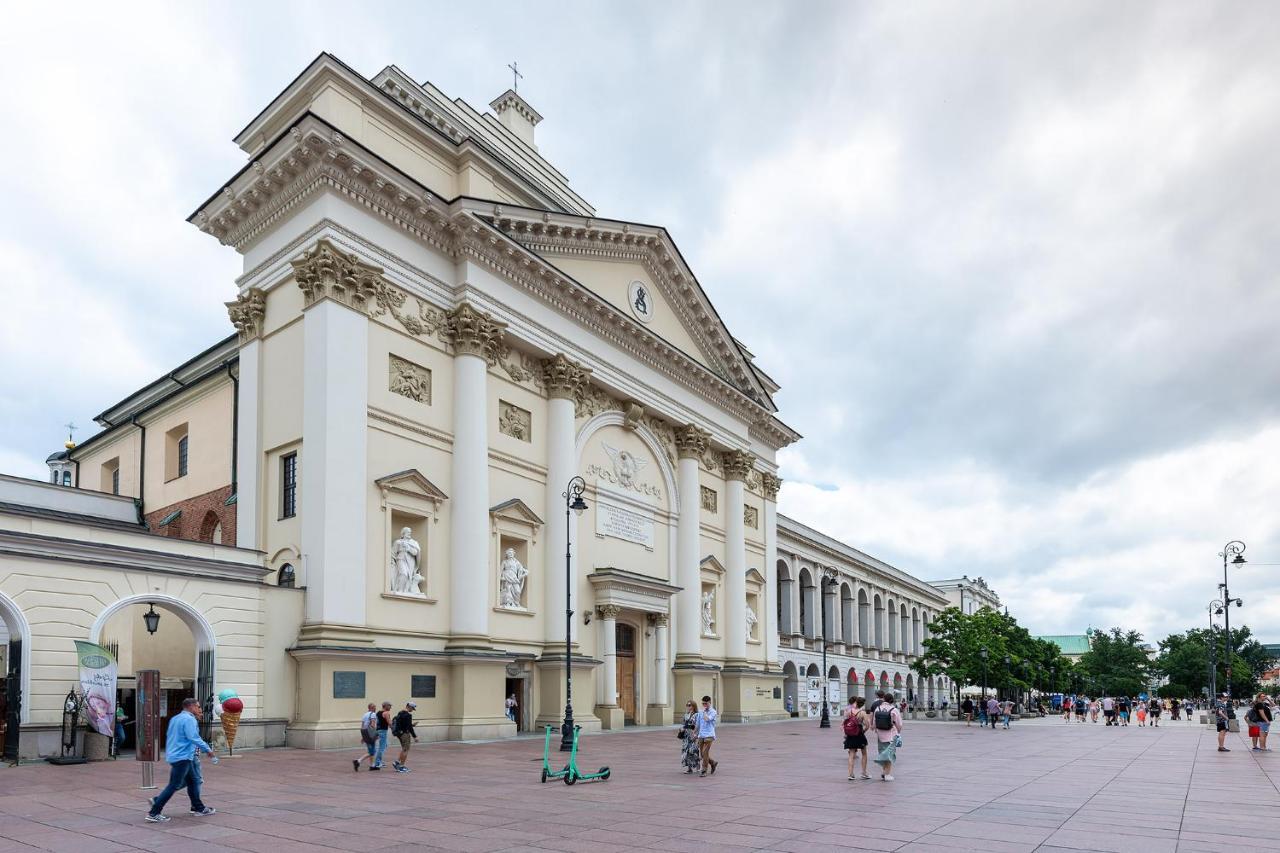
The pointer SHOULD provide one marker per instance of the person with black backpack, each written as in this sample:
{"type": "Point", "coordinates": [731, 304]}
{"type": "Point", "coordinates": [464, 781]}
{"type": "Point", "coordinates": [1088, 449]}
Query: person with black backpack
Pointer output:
{"type": "Point", "coordinates": [888, 727]}
{"type": "Point", "coordinates": [855, 734]}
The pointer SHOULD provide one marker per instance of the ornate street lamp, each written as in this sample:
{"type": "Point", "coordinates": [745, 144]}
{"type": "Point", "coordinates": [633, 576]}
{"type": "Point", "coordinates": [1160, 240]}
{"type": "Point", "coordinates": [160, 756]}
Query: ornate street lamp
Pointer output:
{"type": "Point", "coordinates": [1215, 609]}
{"type": "Point", "coordinates": [828, 579]}
{"type": "Point", "coordinates": [573, 503]}
{"type": "Point", "coordinates": [151, 618]}
{"type": "Point", "coordinates": [1007, 673]}
{"type": "Point", "coordinates": [982, 653]}
{"type": "Point", "coordinates": [1232, 555]}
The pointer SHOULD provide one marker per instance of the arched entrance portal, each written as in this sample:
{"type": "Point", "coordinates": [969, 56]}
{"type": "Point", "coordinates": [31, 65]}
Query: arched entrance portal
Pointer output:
{"type": "Point", "coordinates": [791, 688]}
{"type": "Point", "coordinates": [16, 671]}
{"type": "Point", "coordinates": [182, 649]}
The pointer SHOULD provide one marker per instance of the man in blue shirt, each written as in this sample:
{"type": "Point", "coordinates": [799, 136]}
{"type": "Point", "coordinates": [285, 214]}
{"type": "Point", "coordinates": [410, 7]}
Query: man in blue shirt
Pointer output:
{"type": "Point", "coordinates": [182, 742]}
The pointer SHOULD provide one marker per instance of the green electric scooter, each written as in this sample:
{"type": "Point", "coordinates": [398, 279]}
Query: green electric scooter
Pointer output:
{"type": "Point", "coordinates": [574, 774]}
{"type": "Point", "coordinates": [547, 772]}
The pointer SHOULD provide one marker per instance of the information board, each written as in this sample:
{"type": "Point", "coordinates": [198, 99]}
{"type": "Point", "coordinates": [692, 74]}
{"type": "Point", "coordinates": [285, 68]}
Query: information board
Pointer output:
{"type": "Point", "coordinates": [422, 687]}
{"type": "Point", "coordinates": [148, 710]}
{"type": "Point", "coordinates": [348, 685]}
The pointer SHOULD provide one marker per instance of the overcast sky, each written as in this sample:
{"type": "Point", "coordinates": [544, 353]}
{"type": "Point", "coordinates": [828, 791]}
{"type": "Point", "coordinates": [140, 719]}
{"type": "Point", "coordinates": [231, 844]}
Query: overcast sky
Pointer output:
{"type": "Point", "coordinates": [1010, 269]}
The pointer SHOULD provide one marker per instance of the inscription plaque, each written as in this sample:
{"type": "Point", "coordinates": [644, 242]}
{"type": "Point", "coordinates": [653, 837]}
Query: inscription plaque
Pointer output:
{"type": "Point", "coordinates": [348, 685]}
{"type": "Point", "coordinates": [624, 524]}
{"type": "Point", "coordinates": [422, 687]}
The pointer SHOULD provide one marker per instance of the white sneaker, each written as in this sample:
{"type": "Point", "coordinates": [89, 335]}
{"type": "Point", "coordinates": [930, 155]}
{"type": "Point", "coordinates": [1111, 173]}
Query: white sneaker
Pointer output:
{"type": "Point", "coordinates": [888, 778]}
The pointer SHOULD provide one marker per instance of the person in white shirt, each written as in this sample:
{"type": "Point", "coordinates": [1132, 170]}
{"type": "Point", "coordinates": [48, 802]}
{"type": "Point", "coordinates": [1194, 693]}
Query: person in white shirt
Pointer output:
{"type": "Point", "coordinates": [368, 737]}
{"type": "Point", "coordinates": [707, 735]}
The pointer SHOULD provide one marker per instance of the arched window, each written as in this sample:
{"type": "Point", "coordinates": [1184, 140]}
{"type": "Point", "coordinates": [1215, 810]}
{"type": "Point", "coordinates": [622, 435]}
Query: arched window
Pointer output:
{"type": "Point", "coordinates": [286, 576]}
{"type": "Point", "coordinates": [66, 478]}
{"type": "Point", "coordinates": [208, 525]}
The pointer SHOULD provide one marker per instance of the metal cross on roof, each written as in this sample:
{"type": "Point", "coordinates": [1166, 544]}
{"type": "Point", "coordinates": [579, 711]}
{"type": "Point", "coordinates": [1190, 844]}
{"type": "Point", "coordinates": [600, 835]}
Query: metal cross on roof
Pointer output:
{"type": "Point", "coordinates": [71, 428]}
{"type": "Point", "coordinates": [515, 76]}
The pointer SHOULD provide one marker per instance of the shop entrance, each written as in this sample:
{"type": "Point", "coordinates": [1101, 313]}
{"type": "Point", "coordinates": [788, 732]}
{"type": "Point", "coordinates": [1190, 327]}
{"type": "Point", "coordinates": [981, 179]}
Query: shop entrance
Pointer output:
{"type": "Point", "coordinates": [516, 687]}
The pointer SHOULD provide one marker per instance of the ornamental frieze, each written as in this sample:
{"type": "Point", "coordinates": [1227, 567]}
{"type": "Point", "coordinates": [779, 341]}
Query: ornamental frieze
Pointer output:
{"type": "Point", "coordinates": [473, 332]}
{"type": "Point", "coordinates": [564, 379]}
{"type": "Point", "coordinates": [737, 464]}
{"type": "Point", "coordinates": [592, 400]}
{"type": "Point", "coordinates": [691, 441]}
{"type": "Point", "coordinates": [326, 272]}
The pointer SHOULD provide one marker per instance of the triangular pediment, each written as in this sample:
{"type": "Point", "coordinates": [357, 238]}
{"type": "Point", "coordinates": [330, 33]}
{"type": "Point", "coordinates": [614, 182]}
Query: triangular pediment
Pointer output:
{"type": "Point", "coordinates": [516, 510]}
{"type": "Point", "coordinates": [711, 564]}
{"type": "Point", "coordinates": [639, 270]}
{"type": "Point", "coordinates": [755, 576]}
{"type": "Point", "coordinates": [411, 482]}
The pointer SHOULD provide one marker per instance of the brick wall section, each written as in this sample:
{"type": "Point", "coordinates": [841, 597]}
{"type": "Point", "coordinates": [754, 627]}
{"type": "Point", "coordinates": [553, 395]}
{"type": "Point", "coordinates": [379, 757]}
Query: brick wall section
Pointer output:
{"type": "Point", "coordinates": [196, 522]}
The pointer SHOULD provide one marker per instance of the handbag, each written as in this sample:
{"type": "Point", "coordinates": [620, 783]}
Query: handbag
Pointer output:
{"type": "Point", "coordinates": [681, 734]}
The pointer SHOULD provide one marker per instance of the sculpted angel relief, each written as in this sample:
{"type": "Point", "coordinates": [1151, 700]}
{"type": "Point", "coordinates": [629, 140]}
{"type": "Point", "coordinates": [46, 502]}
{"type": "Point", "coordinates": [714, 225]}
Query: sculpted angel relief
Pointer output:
{"type": "Point", "coordinates": [623, 472]}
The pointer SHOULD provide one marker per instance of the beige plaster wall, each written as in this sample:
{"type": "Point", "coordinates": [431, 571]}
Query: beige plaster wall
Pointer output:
{"type": "Point", "coordinates": [122, 444]}
{"type": "Point", "coordinates": [207, 412]}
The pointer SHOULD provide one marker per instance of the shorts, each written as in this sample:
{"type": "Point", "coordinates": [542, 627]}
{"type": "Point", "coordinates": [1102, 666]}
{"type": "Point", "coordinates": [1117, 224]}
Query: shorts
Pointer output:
{"type": "Point", "coordinates": [406, 740]}
{"type": "Point", "coordinates": [855, 741]}
{"type": "Point", "coordinates": [1254, 731]}
{"type": "Point", "coordinates": [1222, 725]}
{"type": "Point", "coordinates": [1264, 726]}
{"type": "Point", "coordinates": [372, 746]}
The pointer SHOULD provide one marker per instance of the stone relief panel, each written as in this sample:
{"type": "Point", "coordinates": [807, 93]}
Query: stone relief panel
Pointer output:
{"type": "Point", "coordinates": [408, 379]}
{"type": "Point", "coordinates": [709, 498]}
{"type": "Point", "coordinates": [593, 400]}
{"type": "Point", "coordinates": [625, 471]}
{"type": "Point", "coordinates": [751, 517]}
{"type": "Point", "coordinates": [515, 421]}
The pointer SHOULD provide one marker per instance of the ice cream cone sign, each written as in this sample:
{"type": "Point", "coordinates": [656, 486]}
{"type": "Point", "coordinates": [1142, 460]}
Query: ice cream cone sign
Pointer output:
{"type": "Point", "coordinates": [230, 707]}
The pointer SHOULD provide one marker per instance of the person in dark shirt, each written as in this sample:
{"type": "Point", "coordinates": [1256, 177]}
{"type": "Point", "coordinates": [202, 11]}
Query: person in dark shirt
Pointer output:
{"type": "Point", "coordinates": [402, 728]}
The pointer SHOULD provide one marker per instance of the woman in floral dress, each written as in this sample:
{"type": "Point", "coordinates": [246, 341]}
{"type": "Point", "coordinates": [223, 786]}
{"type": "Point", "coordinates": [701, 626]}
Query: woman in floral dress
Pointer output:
{"type": "Point", "coordinates": [690, 758]}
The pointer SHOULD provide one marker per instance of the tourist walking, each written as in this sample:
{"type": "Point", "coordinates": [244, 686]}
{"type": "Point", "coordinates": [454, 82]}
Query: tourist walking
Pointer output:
{"type": "Point", "coordinates": [182, 739]}
{"type": "Point", "coordinates": [1094, 707]}
{"type": "Point", "coordinates": [690, 757]}
{"type": "Point", "coordinates": [1006, 712]}
{"type": "Point", "coordinates": [384, 730]}
{"type": "Point", "coordinates": [512, 705]}
{"type": "Point", "coordinates": [1259, 720]}
{"type": "Point", "coordinates": [1222, 714]}
{"type": "Point", "coordinates": [966, 708]}
{"type": "Point", "coordinates": [1082, 705]}
{"type": "Point", "coordinates": [993, 711]}
{"type": "Point", "coordinates": [402, 728]}
{"type": "Point", "coordinates": [888, 728]}
{"type": "Point", "coordinates": [1122, 708]}
{"type": "Point", "coordinates": [1154, 709]}
{"type": "Point", "coordinates": [1067, 705]}
{"type": "Point", "coordinates": [368, 737]}
{"type": "Point", "coordinates": [1142, 713]}
{"type": "Point", "coordinates": [855, 734]}
{"type": "Point", "coordinates": [707, 735]}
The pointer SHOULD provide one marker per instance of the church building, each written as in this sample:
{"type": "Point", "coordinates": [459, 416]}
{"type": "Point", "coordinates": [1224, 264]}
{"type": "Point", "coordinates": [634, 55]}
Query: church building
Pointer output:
{"type": "Point", "coordinates": [457, 405]}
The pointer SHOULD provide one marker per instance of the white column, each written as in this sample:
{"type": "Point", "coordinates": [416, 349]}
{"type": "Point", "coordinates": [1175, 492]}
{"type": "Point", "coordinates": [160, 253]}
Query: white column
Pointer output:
{"type": "Point", "coordinates": [563, 378]}
{"type": "Point", "coordinates": [737, 464]}
{"type": "Point", "coordinates": [609, 627]}
{"type": "Point", "coordinates": [769, 619]}
{"type": "Point", "coordinates": [332, 468]}
{"type": "Point", "coordinates": [661, 669]}
{"type": "Point", "coordinates": [691, 443]}
{"type": "Point", "coordinates": [249, 480]}
{"type": "Point", "coordinates": [472, 335]}
{"type": "Point", "coordinates": [796, 592]}
{"type": "Point", "coordinates": [247, 314]}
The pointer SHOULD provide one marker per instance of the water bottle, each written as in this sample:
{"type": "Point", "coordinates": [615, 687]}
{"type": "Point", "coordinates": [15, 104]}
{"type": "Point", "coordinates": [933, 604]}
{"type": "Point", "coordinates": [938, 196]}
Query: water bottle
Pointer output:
{"type": "Point", "coordinates": [213, 759]}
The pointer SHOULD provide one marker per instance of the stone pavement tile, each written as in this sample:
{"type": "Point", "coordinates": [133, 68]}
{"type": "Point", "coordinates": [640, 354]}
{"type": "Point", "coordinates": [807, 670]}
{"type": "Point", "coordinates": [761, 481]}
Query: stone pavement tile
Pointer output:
{"type": "Point", "coordinates": [573, 845]}
{"type": "Point", "coordinates": [972, 829]}
{"type": "Point", "coordinates": [1110, 842]}
{"type": "Point", "coordinates": [1088, 825]}
{"type": "Point", "coordinates": [1229, 841]}
{"type": "Point", "coordinates": [947, 844]}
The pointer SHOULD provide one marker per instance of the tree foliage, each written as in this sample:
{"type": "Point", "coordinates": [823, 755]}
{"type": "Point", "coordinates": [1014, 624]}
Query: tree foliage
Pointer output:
{"type": "Point", "coordinates": [1185, 660]}
{"type": "Point", "coordinates": [1116, 664]}
{"type": "Point", "coordinates": [956, 640]}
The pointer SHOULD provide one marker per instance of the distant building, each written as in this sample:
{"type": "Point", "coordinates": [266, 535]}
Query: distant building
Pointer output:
{"type": "Point", "coordinates": [1073, 646]}
{"type": "Point", "coordinates": [968, 594]}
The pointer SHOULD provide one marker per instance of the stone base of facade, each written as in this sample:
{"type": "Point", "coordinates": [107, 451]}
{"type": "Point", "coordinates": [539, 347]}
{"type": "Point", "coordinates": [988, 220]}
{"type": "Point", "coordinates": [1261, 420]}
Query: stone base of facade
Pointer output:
{"type": "Point", "coordinates": [611, 717]}
{"type": "Point", "coordinates": [44, 741]}
{"type": "Point", "coordinates": [658, 715]}
{"type": "Point", "coordinates": [751, 696]}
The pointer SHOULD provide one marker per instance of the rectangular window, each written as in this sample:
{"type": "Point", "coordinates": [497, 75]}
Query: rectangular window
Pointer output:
{"type": "Point", "coordinates": [111, 476]}
{"type": "Point", "coordinates": [289, 485]}
{"type": "Point", "coordinates": [182, 456]}
{"type": "Point", "coordinates": [115, 482]}
{"type": "Point", "coordinates": [175, 453]}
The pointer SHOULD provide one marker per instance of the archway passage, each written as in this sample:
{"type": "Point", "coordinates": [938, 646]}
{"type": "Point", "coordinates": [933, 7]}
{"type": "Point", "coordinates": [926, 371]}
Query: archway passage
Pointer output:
{"type": "Point", "coordinates": [791, 687]}
{"type": "Point", "coordinates": [181, 649]}
{"type": "Point", "coordinates": [15, 644]}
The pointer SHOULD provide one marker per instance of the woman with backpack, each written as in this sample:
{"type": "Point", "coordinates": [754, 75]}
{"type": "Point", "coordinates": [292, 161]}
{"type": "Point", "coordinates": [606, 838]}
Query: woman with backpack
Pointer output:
{"type": "Point", "coordinates": [888, 727]}
{"type": "Point", "coordinates": [855, 734]}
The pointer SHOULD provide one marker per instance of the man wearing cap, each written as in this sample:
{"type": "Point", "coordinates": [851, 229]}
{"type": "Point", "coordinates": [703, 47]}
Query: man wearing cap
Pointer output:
{"type": "Point", "coordinates": [402, 728]}
{"type": "Point", "coordinates": [1222, 714]}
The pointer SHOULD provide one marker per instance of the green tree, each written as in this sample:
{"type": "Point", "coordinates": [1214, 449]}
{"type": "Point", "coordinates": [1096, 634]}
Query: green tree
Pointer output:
{"type": "Point", "coordinates": [1184, 660]}
{"type": "Point", "coordinates": [1116, 663]}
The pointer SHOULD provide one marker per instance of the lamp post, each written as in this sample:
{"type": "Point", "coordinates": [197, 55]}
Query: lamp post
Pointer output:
{"type": "Point", "coordinates": [573, 503]}
{"type": "Point", "coordinates": [828, 579]}
{"type": "Point", "coordinates": [1232, 555]}
{"type": "Point", "coordinates": [1007, 673]}
{"type": "Point", "coordinates": [1215, 609]}
{"type": "Point", "coordinates": [982, 653]}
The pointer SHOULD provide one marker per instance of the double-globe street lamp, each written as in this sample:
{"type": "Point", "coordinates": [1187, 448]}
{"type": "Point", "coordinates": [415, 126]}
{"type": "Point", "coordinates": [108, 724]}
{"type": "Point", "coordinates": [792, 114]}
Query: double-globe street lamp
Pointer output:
{"type": "Point", "coordinates": [573, 503]}
{"type": "Point", "coordinates": [1232, 555]}
{"type": "Point", "coordinates": [828, 580]}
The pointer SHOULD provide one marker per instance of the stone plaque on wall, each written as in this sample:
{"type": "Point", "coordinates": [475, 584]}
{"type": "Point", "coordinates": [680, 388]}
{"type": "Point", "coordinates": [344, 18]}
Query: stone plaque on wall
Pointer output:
{"type": "Point", "coordinates": [623, 523]}
{"type": "Point", "coordinates": [514, 421]}
{"type": "Point", "coordinates": [751, 517]}
{"type": "Point", "coordinates": [422, 687]}
{"type": "Point", "coordinates": [348, 685]}
{"type": "Point", "coordinates": [408, 379]}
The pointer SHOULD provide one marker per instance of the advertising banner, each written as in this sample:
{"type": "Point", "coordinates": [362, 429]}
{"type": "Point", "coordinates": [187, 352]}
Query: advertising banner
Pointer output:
{"type": "Point", "coordinates": [98, 680]}
{"type": "Point", "coordinates": [148, 714]}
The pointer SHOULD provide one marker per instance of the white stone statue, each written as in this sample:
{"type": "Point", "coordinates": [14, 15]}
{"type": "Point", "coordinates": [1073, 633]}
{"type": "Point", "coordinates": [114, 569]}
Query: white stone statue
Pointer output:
{"type": "Point", "coordinates": [511, 582]}
{"type": "Point", "coordinates": [751, 622]}
{"type": "Point", "coordinates": [708, 621]}
{"type": "Point", "coordinates": [405, 553]}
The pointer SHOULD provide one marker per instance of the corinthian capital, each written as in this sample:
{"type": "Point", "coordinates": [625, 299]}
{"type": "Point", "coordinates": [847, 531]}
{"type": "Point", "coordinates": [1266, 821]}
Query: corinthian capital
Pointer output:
{"type": "Point", "coordinates": [691, 441]}
{"type": "Point", "coordinates": [326, 272]}
{"type": "Point", "coordinates": [771, 483]}
{"type": "Point", "coordinates": [738, 464]}
{"type": "Point", "coordinates": [247, 313]}
{"type": "Point", "coordinates": [564, 378]}
{"type": "Point", "coordinates": [472, 332]}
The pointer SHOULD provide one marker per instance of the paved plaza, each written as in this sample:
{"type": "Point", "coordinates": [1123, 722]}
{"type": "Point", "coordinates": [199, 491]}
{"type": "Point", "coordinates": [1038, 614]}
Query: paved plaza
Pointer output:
{"type": "Point", "coordinates": [1043, 786]}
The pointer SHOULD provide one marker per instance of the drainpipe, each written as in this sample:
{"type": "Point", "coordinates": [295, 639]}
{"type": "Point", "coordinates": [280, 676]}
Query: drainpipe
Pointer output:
{"type": "Point", "coordinates": [142, 469]}
{"type": "Point", "coordinates": [235, 426]}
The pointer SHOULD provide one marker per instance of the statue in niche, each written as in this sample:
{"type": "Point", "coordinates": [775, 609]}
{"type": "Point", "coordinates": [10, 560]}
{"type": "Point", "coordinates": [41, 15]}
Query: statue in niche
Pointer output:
{"type": "Point", "coordinates": [751, 622]}
{"type": "Point", "coordinates": [708, 621]}
{"type": "Point", "coordinates": [405, 554]}
{"type": "Point", "coordinates": [511, 581]}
